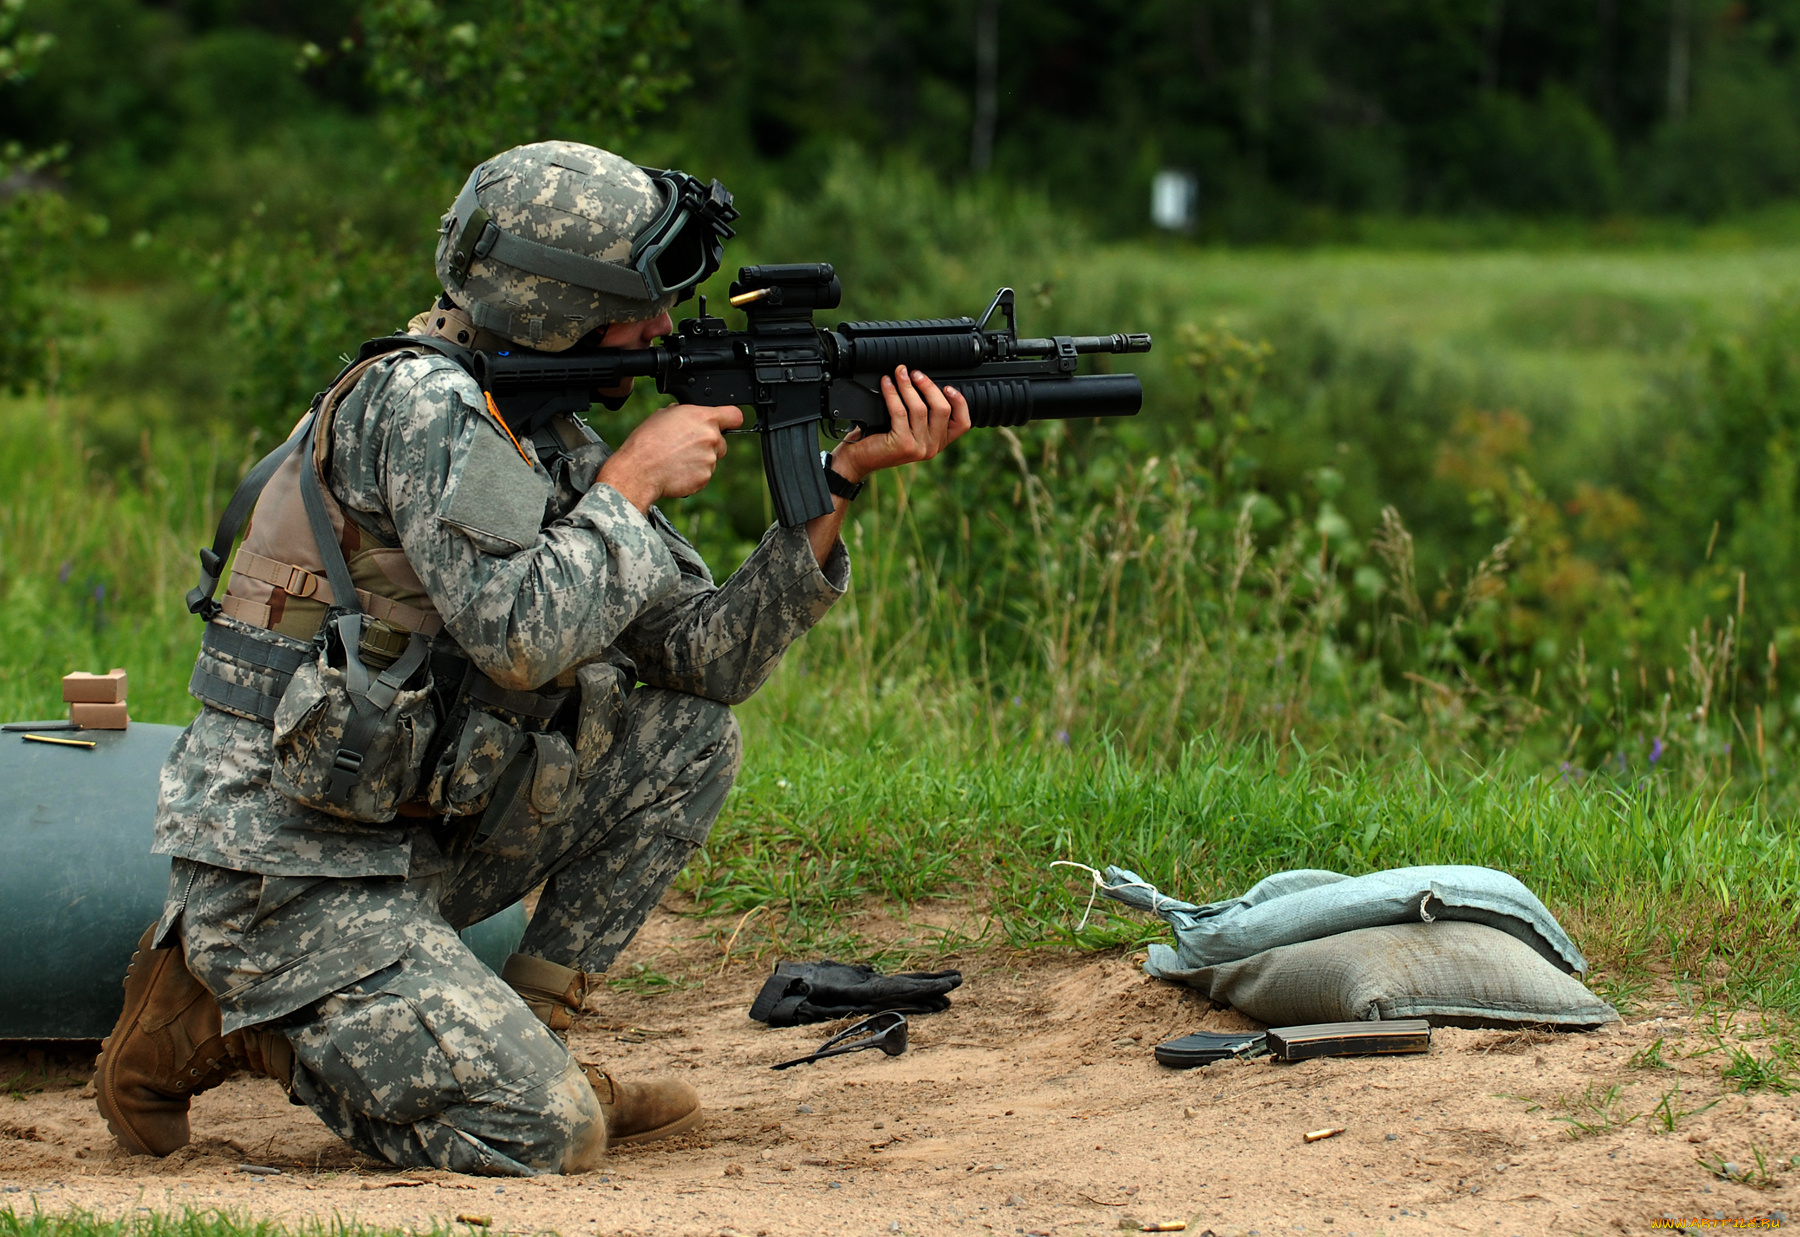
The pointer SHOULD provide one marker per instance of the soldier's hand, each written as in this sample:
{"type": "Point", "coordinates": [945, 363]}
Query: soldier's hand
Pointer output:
{"type": "Point", "coordinates": [671, 454]}
{"type": "Point", "coordinates": [923, 420]}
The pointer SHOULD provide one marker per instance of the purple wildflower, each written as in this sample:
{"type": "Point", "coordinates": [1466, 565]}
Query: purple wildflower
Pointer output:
{"type": "Point", "coordinates": [1656, 749]}
{"type": "Point", "coordinates": [1062, 737]}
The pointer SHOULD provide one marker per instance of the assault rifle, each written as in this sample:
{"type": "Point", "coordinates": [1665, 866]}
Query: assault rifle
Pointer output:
{"type": "Point", "coordinates": [798, 376]}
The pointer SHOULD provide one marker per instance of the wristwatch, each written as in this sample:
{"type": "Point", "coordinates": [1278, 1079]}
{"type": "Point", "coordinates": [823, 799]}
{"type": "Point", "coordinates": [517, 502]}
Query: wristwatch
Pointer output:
{"type": "Point", "coordinates": [835, 481]}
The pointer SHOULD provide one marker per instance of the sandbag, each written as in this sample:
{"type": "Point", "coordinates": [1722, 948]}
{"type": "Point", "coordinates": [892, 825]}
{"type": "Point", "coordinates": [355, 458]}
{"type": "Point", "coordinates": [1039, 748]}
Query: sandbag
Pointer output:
{"type": "Point", "coordinates": [1449, 973]}
{"type": "Point", "coordinates": [1308, 904]}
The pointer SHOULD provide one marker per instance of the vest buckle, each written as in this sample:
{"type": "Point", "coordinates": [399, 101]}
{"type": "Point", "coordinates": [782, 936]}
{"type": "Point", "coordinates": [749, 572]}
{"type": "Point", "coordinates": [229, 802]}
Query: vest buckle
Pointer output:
{"type": "Point", "coordinates": [300, 582]}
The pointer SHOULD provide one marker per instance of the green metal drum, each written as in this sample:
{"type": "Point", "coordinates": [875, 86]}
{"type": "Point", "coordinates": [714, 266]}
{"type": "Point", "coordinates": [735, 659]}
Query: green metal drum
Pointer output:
{"type": "Point", "coordinates": [78, 883]}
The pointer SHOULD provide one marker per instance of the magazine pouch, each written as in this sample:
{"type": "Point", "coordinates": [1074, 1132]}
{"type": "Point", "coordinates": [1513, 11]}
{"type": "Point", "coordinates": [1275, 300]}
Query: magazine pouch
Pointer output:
{"type": "Point", "coordinates": [349, 740]}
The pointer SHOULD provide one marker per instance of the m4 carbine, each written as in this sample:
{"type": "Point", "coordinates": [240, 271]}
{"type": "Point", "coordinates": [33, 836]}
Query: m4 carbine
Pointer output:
{"type": "Point", "coordinates": [798, 376]}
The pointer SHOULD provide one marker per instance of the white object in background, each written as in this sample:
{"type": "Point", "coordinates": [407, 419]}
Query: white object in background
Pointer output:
{"type": "Point", "coordinates": [1175, 200]}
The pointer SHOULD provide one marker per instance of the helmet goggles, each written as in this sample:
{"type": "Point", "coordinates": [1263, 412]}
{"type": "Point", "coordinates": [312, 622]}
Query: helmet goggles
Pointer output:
{"type": "Point", "coordinates": [685, 243]}
{"type": "Point", "coordinates": [679, 249]}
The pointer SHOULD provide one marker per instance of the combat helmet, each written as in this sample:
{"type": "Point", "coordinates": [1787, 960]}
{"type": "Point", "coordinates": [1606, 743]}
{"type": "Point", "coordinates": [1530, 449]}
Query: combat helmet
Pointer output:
{"type": "Point", "coordinates": [550, 240]}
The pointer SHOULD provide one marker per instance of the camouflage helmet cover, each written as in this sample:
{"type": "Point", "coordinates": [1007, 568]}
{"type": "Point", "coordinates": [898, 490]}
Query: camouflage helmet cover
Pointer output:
{"type": "Point", "coordinates": [578, 204]}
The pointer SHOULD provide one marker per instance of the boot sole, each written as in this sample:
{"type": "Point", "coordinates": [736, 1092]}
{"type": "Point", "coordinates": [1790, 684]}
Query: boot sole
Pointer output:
{"type": "Point", "coordinates": [681, 1125]}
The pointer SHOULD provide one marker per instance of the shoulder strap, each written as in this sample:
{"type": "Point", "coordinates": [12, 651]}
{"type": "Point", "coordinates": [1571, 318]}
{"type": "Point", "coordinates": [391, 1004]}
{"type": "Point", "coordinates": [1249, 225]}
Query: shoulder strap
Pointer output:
{"type": "Point", "coordinates": [337, 571]}
{"type": "Point", "coordinates": [465, 357]}
{"type": "Point", "coordinates": [243, 499]}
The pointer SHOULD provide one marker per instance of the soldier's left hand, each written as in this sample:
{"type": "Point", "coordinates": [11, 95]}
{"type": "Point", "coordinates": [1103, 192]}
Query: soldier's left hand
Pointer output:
{"type": "Point", "coordinates": [923, 420]}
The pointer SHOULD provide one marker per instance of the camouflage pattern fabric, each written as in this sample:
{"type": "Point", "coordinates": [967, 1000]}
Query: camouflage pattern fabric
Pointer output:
{"type": "Point", "coordinates": [408, 1047]}
{"type": "Point", "coordinates": [572, 197]}
{"type": "Point", "coordinates": [529, 590]}
{"type": "Point", "coordinates": [434, 1062]}
{"type": "Point", "coordinates": [648, 806]}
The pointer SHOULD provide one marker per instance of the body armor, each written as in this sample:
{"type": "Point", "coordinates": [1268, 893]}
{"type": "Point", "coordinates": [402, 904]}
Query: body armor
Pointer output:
{"type": "Point", "coordinates": [468, 740]}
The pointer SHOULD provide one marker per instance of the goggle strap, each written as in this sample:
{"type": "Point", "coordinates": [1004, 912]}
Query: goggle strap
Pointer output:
{"type": "Point", "coordinates": [475, 235]}
{"type": "Point", "coordinates": [565, 267]}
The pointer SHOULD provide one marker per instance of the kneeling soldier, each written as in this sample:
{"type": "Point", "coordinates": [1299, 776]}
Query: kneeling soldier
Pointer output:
{"type": "Point", "coordinates": [457, 659]}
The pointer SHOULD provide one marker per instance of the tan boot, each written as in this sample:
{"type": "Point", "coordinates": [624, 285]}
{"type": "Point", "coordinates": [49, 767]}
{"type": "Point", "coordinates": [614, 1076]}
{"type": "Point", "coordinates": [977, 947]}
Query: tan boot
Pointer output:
{"type": "Point", "coordinates": [553, 992]}
{"type": "Point", "coordinates": [641, 1112]}
{"type": "Point", "coordinates": [263, 1053]}
{"type": "Point", "coordinates": [165, 1049]}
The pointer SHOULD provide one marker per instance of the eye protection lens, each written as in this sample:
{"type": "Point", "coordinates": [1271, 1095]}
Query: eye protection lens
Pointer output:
{"type": "Point", "coordinates": [686, 242]}
{"type": "Point", "coordinates": [886, 1031]}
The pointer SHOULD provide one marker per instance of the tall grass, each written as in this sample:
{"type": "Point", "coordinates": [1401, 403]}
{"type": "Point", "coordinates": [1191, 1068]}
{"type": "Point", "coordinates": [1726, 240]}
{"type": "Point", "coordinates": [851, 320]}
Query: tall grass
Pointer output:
{"type": "Point", "coordinates": [93, 563]}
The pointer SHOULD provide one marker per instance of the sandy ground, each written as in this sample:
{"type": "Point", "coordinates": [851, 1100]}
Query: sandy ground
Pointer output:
{"type": "Point", "coordinates": [1033, 1106]}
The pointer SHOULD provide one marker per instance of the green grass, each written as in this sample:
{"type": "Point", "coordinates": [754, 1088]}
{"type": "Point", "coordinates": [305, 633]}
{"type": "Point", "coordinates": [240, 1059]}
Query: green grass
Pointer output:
{"type": "Point", "coordinates": [191, 1223]}
{"type": "Point", "coordinates": [902, 795]}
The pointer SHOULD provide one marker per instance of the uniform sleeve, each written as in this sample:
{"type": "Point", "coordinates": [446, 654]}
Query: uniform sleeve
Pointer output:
{"type": "Point", "coordinates": [524, 601]}
{"type": "Point", "coordinates": [723, 643]}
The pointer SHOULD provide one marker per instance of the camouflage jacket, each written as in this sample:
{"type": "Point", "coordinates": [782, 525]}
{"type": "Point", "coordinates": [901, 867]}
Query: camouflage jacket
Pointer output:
{"type": "Point", "coordinates": [534, 572]}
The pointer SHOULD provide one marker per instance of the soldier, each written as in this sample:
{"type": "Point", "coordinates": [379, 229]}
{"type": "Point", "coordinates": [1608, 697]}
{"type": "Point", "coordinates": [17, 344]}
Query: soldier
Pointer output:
{"type": "Point", "coordinates": [532, 686]}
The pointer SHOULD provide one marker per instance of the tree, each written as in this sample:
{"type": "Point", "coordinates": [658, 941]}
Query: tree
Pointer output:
{"type": "Point", "coordinates": [466, 80]}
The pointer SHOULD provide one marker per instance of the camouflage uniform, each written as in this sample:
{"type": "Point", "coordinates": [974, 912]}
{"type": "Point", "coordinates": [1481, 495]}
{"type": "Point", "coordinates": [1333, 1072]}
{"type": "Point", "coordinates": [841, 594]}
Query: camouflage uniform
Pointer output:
{"type": "Point", "coordinates": [343, 934]}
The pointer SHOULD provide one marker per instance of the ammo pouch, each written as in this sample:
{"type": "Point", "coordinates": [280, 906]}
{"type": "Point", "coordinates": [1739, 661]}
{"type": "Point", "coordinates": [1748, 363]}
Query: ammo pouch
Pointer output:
{"type": "Point", "coordinates": [511, 769]}
{"type": "Point", "coordinates": [348, 740]}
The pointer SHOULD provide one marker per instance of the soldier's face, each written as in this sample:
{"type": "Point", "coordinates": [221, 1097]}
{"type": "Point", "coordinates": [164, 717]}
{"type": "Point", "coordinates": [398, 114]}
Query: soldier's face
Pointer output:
{"type": "Point", "coordinates": [634, 335]}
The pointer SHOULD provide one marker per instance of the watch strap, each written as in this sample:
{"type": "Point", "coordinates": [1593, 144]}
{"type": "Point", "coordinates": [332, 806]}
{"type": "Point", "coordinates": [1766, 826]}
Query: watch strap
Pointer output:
{"type": "Point", "coordinates": [836, 483]}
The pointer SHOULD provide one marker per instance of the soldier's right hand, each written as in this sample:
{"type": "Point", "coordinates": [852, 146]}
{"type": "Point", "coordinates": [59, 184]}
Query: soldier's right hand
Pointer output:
{"type": "Point", "coordinates": [671, 454]}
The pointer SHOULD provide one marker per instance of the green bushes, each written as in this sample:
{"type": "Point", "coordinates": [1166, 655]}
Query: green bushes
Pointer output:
{"type": "Point", "coordinates": [36, 229]}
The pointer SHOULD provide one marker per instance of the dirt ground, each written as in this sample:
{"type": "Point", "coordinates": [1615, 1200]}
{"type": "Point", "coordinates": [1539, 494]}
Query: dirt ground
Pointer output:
{"type": "Point", "coordinates": [1033, 1106]}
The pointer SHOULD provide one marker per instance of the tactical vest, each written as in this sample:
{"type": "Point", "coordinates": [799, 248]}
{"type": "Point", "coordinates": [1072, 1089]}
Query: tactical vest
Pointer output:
{"type": "Point", "coordinates": [268, 628]}
{"type": "Point", "coordinates": [278, 579]}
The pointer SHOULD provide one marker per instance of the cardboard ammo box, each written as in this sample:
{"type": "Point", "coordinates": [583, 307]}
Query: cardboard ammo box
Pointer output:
{"type": "Point", "coordinates": [81, 688]}
{"type": "Point", "coordinates": [99, 716]}
{"type": "Point", "coordinates": [96, 701]}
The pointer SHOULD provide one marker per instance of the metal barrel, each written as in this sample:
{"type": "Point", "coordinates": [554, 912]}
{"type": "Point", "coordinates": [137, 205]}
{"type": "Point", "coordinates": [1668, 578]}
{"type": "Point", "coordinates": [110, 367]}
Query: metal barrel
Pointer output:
{"type": "Point", "coordinates": [78, 884]}
{"type": "Point", "coordinates": [1135, 342]}
{"type": "Point", "coordinates": [1014, 401]}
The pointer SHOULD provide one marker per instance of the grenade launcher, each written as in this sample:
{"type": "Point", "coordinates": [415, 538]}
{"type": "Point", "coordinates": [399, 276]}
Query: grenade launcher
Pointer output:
{"type": "Point", "coordinates": [798, 376]}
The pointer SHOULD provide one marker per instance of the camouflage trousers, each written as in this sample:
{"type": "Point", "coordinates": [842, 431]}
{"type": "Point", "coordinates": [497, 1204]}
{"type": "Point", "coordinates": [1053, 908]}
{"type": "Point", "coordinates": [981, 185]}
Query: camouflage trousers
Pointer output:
{"type": "Point", "coordinates": [406, 1045]}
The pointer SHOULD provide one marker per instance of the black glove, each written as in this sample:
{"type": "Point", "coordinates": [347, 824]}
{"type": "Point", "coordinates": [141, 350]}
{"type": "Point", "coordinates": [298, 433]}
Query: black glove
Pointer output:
{"type": "Point", "coordinates": [802, 992]}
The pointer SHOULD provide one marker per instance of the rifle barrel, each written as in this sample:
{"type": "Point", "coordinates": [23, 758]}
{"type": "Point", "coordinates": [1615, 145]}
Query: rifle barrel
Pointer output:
{"type": "Point", "coordinates": [1086, 343]}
